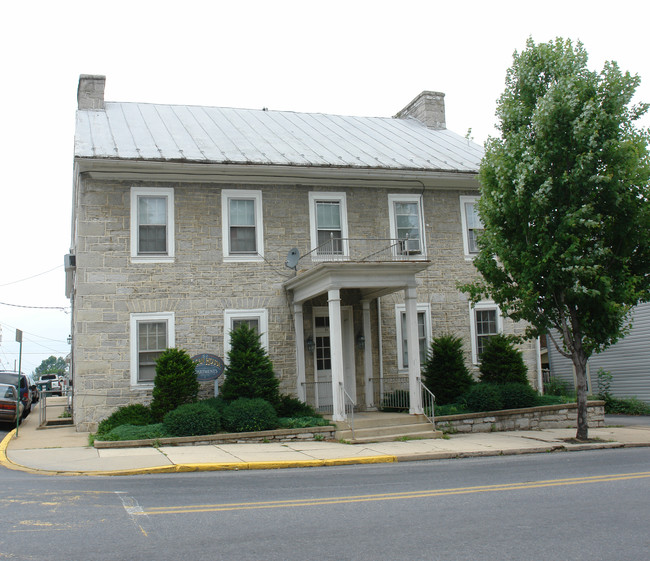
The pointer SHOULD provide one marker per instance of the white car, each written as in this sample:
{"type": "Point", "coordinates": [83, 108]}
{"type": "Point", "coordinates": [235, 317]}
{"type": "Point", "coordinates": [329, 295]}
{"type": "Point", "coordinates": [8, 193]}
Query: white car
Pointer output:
{"type": "Point", "coordinates": [53, 384]}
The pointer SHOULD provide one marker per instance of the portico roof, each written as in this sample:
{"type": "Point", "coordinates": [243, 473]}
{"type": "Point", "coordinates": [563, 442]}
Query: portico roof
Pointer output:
{"type": "Point", "coordinates": [373, 279]}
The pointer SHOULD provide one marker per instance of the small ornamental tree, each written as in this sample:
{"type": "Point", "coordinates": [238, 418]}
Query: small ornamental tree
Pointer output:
{"type": "Point", "coordinates": [444, 370]}
{"type": "Point", "coordinates": [175, 382]}
{"type": "Point", "coordinates": [249, 372]}
{"type": "Point", "coordinates": [502, 363]}
{"type": "Point", "coordinates": [565, 203]}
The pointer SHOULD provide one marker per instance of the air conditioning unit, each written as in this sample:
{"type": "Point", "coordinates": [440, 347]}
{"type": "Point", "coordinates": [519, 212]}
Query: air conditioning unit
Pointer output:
{"type": "Point", "coordinates": [69, 262]}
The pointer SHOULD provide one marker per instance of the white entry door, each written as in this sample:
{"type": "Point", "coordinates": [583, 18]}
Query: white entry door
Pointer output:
{"type": "Point", "coordinates": [323, 357]}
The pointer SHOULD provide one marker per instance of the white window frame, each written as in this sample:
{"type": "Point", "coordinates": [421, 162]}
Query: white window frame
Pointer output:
{"type": "Point", "coordinates": [260, 314]}
{"type": "Point", "coordinates": [403, 198]}
{"type": "Point", "coordinates": [316, 196]}
{"type": "Point", "coordinates": [469, 256]}
{"type": "Point", "coordinates": [399, 310]}
{"type": "Point", "coordinates": [243, 194]}
{"type": "Point", "coordinates": [136, 193]}
{"type": "Point", "coordinates": [485, 305]}
{"type": "Point", "coordinates": [136, 318]}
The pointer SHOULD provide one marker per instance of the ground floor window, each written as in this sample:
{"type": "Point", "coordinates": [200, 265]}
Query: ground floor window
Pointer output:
{"type": "Point", "coordinates": [485, 323]}
{"type": "Point", "coordinates": [151, 334]}
{"type": "Point", "coordinates": [256, 319]}
{"type": "Point", "coordinates": [424, 334]}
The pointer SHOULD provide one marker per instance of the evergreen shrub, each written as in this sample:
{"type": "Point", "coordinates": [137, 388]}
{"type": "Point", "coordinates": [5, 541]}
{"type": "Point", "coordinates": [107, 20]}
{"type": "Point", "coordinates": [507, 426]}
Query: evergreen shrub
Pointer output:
{"type": "Point", "coordinates": [175, 383]}
{"type": "Point", "coordinates": [444, 370]}
{"type": "Point", "coordinates": [517, 396]}
{"type": "Point", "coordinates": [134, 414]}
{"type": "Point", "coordinates": [483, 397]}
{"type": "Point", "coordinates": [249, 372]}
{"type": "Point", "coordinates": [135, 432]}
{"type": "Point", "coordinates": [192, 419]}
{"type": "Point", "coordinates": [290, 406]}
{"type": "Point", "coordinates": [502, 363]}
{"type": "Point", "coordinates": [302, 422]}
{"type": "Point", "coordinates": [246, 415]}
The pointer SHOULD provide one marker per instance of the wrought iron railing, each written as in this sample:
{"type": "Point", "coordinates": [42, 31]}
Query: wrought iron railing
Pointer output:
{"type": "Point", "coordinates": [349, 405]}
{"type": "Point", "coordinates": [428, 402]}
{"type": "Point", "coordinates": [392, 393]}
{"type": "Point", "coordinates": [319, 396]}
{"type": "Point", "coordinates": [364, 250]}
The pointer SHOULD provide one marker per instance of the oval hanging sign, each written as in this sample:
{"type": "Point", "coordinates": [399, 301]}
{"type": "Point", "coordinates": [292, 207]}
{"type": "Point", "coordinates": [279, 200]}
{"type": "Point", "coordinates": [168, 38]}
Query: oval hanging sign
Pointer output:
{"type": "Point", "coordinates": [208, 367]}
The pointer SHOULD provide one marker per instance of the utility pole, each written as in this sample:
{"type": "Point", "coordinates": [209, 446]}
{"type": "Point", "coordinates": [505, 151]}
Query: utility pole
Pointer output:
{"type": "Point", "coordinates": [19, 339]}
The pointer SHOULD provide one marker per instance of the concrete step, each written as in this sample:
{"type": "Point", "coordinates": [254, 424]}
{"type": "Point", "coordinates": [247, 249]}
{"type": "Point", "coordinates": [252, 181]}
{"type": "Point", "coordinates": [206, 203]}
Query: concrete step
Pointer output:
{"type": "Point", "coordinates": [392, 438]}
{"type": "Point", "coordinates": [398, 430]}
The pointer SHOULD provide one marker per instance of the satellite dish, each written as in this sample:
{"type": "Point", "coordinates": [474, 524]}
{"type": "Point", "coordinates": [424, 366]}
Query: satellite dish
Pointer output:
{"type": "Point", "coordinates": [292, 258]}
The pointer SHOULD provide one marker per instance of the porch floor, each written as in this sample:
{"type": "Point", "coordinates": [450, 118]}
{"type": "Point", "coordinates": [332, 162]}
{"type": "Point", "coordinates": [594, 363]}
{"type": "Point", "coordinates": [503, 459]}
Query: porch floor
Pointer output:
{"type": "Point", "coordinates": [378, 426]}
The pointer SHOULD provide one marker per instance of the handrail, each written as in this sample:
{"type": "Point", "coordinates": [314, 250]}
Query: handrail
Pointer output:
{"type": "Point", "coordinates": [428, 402]}
{"type": "Point", "coordinates": [348, 402]}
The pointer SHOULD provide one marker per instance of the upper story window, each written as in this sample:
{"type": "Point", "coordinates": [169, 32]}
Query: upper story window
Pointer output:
{"type": "Point", "coordinates": [424, 334]}
{"type": "Point", "coordinates": [328, 219]}
{"type": "Point", "coordinates": [407, 224]}
{"type": "Point", "coordinates": [242, 226]}
{"type": "Point", "coordinates": [152, 224]}
{"type": "Point", "coordinates": [472, 225]}
{"type": "Point", "coordinates": [151, 334]}
{"type": "Point", "coordinates": [485, 323]}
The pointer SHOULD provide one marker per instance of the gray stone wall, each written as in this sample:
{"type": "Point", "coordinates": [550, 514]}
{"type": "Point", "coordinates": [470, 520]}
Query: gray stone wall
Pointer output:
{"type": "Point", "coordinates": [199, 286]}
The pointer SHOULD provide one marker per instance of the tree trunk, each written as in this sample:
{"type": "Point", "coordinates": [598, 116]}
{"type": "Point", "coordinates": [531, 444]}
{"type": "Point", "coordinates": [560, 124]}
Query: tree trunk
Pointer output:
{"type": "Point", "coordinates": [580, 364]}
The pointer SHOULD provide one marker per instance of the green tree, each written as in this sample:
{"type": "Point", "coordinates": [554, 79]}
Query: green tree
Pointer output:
{"type": "Point", "coordinates": [51, 365]}
{"type": "Point", "coordinates": [565, 203]}
{"type": "Point", "coordinates": [175, 383]}
{"type": "Point", "coordinates": [250, 371]}
{"type": "Point", "coordinates": [502, 363]}
{"type": "Point", "coordinates": [444, 370]}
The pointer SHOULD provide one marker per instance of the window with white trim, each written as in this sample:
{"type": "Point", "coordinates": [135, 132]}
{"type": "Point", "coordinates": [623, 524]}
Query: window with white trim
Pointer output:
{"type": "Point", "coordinates": [328, 217]}
{"type": "Point", "coordinates": [150, 335]}
{"type": "Point", "coordinates": [152, 224]}
{"type": "Point", "coordinates": [424, 333]}
{"type": "Point", "coordinates": [257, 319]}
{"type": "Point", "coordinates": [472, 225]}
{"type": "Point", "coordinates": [485, 323]}
{"type": "Point", "coordinates": [242, 228]}
{"type": "Point", "coordinates": [407, 224]}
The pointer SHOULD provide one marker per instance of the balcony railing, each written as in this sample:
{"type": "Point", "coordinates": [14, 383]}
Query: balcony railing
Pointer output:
{"type": "Point", "coordinates": [364, 250]}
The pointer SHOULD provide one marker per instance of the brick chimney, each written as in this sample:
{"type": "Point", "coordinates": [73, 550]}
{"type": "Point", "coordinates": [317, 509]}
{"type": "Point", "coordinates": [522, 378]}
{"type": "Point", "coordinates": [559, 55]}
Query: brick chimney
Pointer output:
{"type": "Point", "coordinates": [428, 108]}
{"type": "Point", "coordinates": [90, 94]}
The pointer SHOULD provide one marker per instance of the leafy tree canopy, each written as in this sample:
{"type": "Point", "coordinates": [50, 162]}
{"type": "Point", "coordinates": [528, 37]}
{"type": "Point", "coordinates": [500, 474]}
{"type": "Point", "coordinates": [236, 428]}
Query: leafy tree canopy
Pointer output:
{"type": "Point", "coordinates": [565, 202]}
{"type": "Point", "coordinates": [51, 365]}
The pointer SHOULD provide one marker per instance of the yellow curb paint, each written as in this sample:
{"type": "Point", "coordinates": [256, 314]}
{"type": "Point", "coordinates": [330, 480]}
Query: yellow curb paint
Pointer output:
{"type": "Point", "coordinates": [366, 460]}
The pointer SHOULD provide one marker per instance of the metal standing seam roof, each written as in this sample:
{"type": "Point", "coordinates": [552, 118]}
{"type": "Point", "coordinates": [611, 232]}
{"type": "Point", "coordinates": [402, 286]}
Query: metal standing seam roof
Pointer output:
{"type": "Point", "coordinates": [151, 132]}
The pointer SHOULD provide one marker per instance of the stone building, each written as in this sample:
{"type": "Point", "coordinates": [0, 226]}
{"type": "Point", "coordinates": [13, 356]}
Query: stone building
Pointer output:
{"type": "Point", "coordinates": [341, 239]}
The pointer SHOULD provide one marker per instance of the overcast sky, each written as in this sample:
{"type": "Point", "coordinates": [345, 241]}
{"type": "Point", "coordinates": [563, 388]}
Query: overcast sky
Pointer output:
{"type": "Point", "coordinates": [345, 57]}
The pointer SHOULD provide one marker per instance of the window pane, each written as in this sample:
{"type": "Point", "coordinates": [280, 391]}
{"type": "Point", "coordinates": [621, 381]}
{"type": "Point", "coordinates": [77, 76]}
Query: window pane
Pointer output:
{"type": "Point", "coordinates": [152, 341]}
{"type": "Point", "coordinates": [242, 212]}
{"type": "Point", "coordinates": [407, 221]}
{"type": "Point", "coordinates": [152, 224]}
{"type": "Point", "coordinates": [152, 210]}
{"type": "Point", "coordinates": [242, 240]}
{"type": "Point", "coordinates": [328, 215]}
{"type": "Point", "coordinates": [253, 323]}
{"type": "Point", "coordinates": [422, 338]}
{"type": "Point", "coordinates": [152, 239]}
{"type": "Point", "coordinates": [486, 327]}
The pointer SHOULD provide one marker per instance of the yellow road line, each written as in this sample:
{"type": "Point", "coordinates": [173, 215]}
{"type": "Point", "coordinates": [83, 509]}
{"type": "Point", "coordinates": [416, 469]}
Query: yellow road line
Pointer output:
{"type": "Point", "coordinates": [395, 496]}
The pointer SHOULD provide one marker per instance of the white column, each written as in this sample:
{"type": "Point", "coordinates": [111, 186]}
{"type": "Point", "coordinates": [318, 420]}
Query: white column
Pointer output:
{"type": "Point", "coordinates": [300, 351]}
{"type": "Point", "coordinates": [336, 346]}
{"type": "Point", "coordinates": [367, 354]}
{"type": "Point", "coordinates": [410, 298]}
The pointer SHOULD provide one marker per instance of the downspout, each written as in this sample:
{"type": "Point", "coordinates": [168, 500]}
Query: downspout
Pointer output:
{"type": "Point", "coordinates": [538, 357]}
{"type": "Point", "coordinates": [380, 350]}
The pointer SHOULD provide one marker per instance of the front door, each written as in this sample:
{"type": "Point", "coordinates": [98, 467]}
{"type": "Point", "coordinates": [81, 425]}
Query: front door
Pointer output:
{"type": "Point", "coordinates": [323, 357]}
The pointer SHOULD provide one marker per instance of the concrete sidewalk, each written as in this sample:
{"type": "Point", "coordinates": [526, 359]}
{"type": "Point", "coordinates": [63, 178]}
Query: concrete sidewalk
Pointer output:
{"type": "Point", "coordinates": [63, 451]}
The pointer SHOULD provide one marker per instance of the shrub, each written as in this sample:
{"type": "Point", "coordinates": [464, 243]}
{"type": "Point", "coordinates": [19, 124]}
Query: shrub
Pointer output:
{"type": "Point", "coordinates": [302, 422]}
{"type": "Point", "coordinates": [134, 414]}
{"type": "Point", "coordinates": [502, 363]}
{"type": "Point", "coordinates": [289, 406]}
{"type": "Point", "coordinates": [556, 386]}
{"type": "Point", "coordinates": [444, 370]}
{"type": "Point", "coordinates": [217, 403]}
{"type": "Point", "coordinates": [450, 409]}
{"type": "Point", "coordinates": [516, 396]}
{"type": "Point", "coordinates": [135, 432]}
{"type": "Point", "coordinates": [250, 371]}
{"type": "Point", "coordinates": [626, 406]}
{"type": "Point", "coordinates": [192, 419]}
{"type": "Point", "coordinates": [175, 382]}
{"type": "Point", "coordinates": [244, 415]}
{"type": "Point", "coordinates": [483, 397]}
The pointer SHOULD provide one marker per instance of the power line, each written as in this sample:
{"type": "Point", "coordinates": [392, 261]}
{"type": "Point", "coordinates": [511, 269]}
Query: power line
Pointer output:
{"type": "Point", "coordinates": [61, 308]}
{"type": "Point", "coordinates": [32, 277]}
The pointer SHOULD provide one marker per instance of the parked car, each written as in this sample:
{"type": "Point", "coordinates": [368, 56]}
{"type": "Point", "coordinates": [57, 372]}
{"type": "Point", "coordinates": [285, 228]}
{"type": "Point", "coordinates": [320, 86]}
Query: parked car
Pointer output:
{"type": "Point", "coordinates": [9, 377]}
{"type": "Point", "coordinates": [50, 383]}
{"type": "Point", "coordinates": [36, 395]}
{"type": "Point", "coordinates": [8, 396]}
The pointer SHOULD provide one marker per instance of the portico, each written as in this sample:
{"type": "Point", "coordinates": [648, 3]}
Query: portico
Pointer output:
{"type": "Point", "coordinates": [370, 280]}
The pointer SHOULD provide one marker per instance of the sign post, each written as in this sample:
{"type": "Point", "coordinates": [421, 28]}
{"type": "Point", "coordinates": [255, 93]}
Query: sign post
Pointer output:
{"type": "Point", "coordinates": [19, 339]}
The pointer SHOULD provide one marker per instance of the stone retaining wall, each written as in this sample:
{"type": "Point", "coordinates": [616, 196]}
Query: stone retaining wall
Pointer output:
{"type": "Point", "coordinates": [278, 435]}
{"type": "Point", "coordinates": [545, 417]}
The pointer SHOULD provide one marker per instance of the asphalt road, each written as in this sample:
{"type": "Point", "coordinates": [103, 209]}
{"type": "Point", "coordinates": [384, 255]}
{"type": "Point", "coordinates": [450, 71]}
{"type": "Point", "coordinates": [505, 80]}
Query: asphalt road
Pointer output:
{"type": "Point", "coordinates": [580, 505]}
